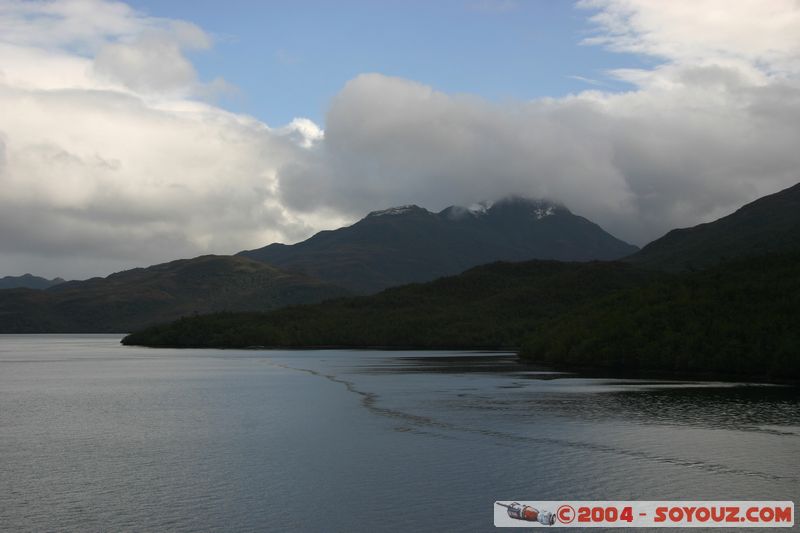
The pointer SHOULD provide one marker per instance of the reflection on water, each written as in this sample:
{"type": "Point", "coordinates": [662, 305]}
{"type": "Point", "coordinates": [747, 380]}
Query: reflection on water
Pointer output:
{"type": "Point", "coordinates": [741, 407]}
{"type": "Point", "coordinates": [744, 407]}
{"type": "Point", "coordinates": [95, 436]}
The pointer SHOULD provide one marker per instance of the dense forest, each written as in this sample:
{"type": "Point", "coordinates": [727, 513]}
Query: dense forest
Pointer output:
{"type": "Point", "coordinates": [741, 318]}
{"type": "Point", "coordinates": [491, 306]}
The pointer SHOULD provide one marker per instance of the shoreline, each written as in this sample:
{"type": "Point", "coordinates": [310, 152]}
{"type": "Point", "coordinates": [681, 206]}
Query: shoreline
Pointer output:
{"type": "Point", "coordinates": [583, 371]}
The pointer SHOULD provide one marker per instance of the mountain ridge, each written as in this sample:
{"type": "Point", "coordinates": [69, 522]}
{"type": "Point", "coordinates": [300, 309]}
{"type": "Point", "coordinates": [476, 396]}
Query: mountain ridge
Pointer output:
{"type": "Point", "coordinates": [28, 281]}
{"type": "Point", "coordinates": [770, 224]}
{"type": "Point", "coordinates": [489, 306]}
{"type": "Point", "coordinates": [138, 297]}
{"type": "Point", "coordinates": [409, 244]}
{"type": "Point", "coordinates": [737, 318]}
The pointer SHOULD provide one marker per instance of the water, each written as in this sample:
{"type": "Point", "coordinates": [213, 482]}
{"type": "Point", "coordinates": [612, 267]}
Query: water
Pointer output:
{"type": "Point", "coordinates": [95, 436]}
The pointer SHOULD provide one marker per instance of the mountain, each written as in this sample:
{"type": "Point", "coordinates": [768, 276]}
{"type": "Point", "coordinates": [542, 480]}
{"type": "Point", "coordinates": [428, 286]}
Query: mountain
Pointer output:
{"type": "Point", "coordinates": [769, 224]}
{"type": "Point", "coordinates": [490, 306]}
{"type": "Point", "coordinates": [738, 318]}
{"type": "Point", "coordinates": [410, 244]}
{"type": "Point", "coordinates": [28, 281]}
{"type": "Point", "coordinates": [614, 314]}
{"type": "Point", "coordinates": [136, 298]}
{"type": "Point", "coordinates": [732, 317]}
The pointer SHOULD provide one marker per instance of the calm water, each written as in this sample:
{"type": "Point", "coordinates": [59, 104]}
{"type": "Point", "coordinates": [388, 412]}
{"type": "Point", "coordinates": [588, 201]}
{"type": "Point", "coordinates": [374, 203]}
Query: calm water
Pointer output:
{"type": "Point", "coordinates": [96, 436]}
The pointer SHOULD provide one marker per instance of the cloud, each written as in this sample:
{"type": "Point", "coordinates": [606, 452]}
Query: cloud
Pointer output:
{"type": "Point", "coordinates": [710, 127]}
{"type": "Point", "coordinates": [393, 141]}
{"type": "Point", "coordinates": [110, 160]}
{"type": "Point", "coordinates": [765, 33]}
{"type": "Point", "coordinates": [110, 157]}
{"type": "Point", "coordinates": [80, 25]}
{"type": "Point", "coordinates": [154, 60]}
{"type": "Point", "coordinates": [590, 81]}
{"type": "Point", "coordinates": [700, 142]}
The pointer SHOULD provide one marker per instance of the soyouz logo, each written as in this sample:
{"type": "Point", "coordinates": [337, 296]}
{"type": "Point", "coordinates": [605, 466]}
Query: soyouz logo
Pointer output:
{"type": "Point", "coordinates": [527, 513]}
{"type": "Point", "coordinates": [644, 514]}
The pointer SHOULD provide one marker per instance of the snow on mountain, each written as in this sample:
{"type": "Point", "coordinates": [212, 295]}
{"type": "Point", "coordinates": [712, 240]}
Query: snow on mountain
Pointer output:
{"type": "Point", "coordinates": [542, 212]}
{"type": "Point", "coordinates": [480, 208]}
{"type": "Point", "coordinates": [392, 211]}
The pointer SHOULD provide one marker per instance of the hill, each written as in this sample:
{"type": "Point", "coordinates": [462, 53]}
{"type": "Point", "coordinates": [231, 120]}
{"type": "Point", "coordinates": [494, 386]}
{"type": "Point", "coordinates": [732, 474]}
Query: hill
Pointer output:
{"type": "Point", "coordinates": [28, 281]}
{"type": "Point", "coordinates": [769, 224]}
{"type": "Point", "coordinates": [737, 318]}
{"type": "Point", "coordinates": [491, 306]}
{"type": "Point", "coordinates": [136, 298]}
{"type": "Point", "coordinates": [410, 244]}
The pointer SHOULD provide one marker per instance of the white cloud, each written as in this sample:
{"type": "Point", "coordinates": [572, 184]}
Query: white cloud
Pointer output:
{"type": "Point", "coordinates": [711, 127]}
{"type": "Point", "coordinates": [393, 141]}
{"type": "Point", "coordinates": [78, 24]}
{"type": "Point", "coordinates": [689, 148]}
{"type": "Point", "coordinates": [760, 32]}
{"type": "Point", "coordinates": [109, 157]}
{"type": "Point", "coordinates": [590, 81]}
{"type": "Point", "coordinates": [153, 63]}
{"type": "Point", "coordinates": [108, 161]}
{"type": "Point", "coordinates": [303, 132]}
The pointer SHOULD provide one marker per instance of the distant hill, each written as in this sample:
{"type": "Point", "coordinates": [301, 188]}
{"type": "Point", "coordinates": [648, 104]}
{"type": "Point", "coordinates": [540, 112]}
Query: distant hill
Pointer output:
{"type": "Point", "coordinates": [737, 318]}
{"type": "Point", "coordinates": [769, 224]}
{"type": "Point", "coordinates": [28, 281]}
{"type": "Point", "coordinates": [136, 298]}
{"type": "Point", "coordinates": [491, 306]}
{"type": "Point", "coordinates": [410, 244]}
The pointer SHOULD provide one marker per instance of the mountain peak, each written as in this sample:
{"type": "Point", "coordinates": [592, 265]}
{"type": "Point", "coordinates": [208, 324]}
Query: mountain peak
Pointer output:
{"type": "Point", "coordinates": [28, 281]}
{"type": "Point", "coordinates": [519, 205]}
{"type": "Point", "coordinates": [408, 244]}
{"type": "Point", "coordinates": [481, 208]}
{"type": "Point", "coordinates": [398, 210]}
{"type": "Point", "coordinates": [455, 212]}
{"type": "Point", "coordinates": [533, 204]}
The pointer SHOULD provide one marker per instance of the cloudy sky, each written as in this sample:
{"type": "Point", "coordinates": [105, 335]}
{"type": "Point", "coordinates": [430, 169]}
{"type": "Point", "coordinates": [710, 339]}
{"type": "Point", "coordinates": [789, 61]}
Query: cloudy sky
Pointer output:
{"type": "Point", "coordinates": [137, 133]}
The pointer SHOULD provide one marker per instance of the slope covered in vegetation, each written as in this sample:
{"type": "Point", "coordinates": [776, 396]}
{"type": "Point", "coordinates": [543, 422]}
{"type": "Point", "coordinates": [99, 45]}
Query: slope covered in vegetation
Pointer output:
{"type": "Point", "coordinates": [770, 224]}
{"type": "Point", "coordinates": [741, 318]}
{"type": "Point", "coordinates": [142, 296]}
{"type": "Point", "coordinates": [491, 306]}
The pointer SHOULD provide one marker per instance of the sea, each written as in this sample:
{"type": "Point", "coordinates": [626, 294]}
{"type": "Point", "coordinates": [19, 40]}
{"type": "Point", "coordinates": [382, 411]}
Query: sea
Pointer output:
{"type": "Point", "coordinates": [96, 436]}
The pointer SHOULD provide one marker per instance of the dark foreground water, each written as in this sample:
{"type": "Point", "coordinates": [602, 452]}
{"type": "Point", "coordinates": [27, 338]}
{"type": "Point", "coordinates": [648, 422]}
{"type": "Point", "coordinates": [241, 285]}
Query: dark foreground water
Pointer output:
{"type": "Point", "coordinates": [99, 437]}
